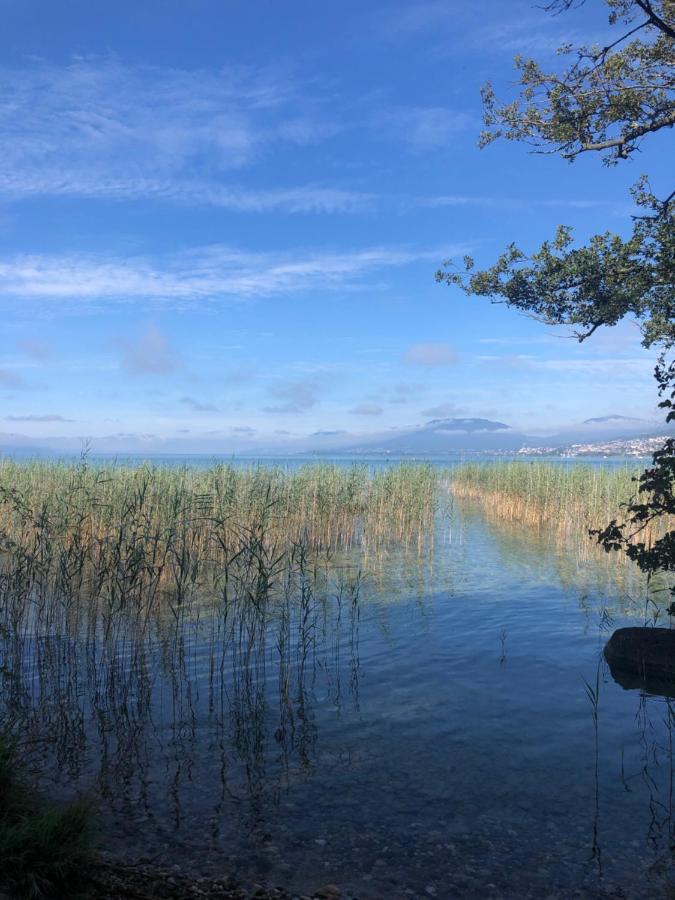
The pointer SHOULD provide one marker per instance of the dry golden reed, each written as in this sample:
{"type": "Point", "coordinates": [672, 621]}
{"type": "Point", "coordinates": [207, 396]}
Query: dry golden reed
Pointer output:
{"type": "Point", "coordinates": [567, 500]}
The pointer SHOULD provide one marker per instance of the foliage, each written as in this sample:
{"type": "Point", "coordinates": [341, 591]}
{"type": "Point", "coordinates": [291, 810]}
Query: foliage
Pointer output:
{"type": "Point", "coordinates": [594, 285]}
{"type": "Point", "coordinates": [44, 850]}
{"type": "Point", "coordinates": [607, 101]}
{"type": "Point", "coordinates": [655, 501]}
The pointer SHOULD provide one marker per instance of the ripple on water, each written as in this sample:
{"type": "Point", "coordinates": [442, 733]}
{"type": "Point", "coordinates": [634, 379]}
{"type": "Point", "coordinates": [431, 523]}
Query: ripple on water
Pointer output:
{"type": "Point", "coordinates": [442, 744]}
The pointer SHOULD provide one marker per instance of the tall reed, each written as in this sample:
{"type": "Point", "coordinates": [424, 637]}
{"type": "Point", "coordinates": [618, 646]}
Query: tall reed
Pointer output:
{"type": "Point", "coordinates": [567, 500]}
{"type": "Point", "coordinates": [137, 536]}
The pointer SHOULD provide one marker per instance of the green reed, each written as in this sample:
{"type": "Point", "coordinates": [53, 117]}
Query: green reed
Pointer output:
{"type": "Point", "coordinates": [111, 577]}
{"type": "Point", "coordinates": [127, 534]}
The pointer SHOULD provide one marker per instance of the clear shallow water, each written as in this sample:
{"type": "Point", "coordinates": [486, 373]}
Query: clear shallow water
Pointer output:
{"type": "Point", "coordinates": [438, 742]}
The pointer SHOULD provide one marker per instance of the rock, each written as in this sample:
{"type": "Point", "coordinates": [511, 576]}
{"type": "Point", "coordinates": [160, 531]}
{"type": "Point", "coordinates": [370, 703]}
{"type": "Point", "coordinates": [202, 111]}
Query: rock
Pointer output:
{"type": "Point", "coordinates": [640, 655]}
{"type": "Point", "coordinates": [328, 892]}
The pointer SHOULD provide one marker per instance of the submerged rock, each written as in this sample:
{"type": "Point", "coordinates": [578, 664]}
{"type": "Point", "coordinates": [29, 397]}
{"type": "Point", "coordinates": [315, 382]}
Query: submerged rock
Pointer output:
{"type": "Point", "coordinates": [328, 892]}
{"type": "Point", "coordinates": [642, 657]}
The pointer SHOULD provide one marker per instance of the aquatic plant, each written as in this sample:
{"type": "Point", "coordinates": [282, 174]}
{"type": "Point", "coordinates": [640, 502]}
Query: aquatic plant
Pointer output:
{"type": "Point", "coordinates": [136, 537]}
{"type": "Point", "coordinates": [44, 849]}
{"type": "Point", "coordinates": [569, 499]}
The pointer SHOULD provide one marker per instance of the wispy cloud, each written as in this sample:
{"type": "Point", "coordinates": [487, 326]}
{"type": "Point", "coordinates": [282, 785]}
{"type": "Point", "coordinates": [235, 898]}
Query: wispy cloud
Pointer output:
{"type": "Point", "coordinates": [197, 406]}
{"type": "Point", "coordinates": [203, 273]}
{"type": "Point", "coordinates": [414, 19]}
{"type": "Point", "coordinates": [149, 354]}
{"type": "Point", "coordinates": [448, 27]}
{"type": "Point", "coordinates": [431, 355]}
{"type": "Point", "coordinates": [10, 379]}
{"type": "Point", "coordinates": [50, 417]}
{"type": "Point", "coordinates": [328, 434]}
{"type": "Point", "coordinates": [312, 198]}
{"type": "Point", "coordinates": [443, 411]}
{"type": "Point", "coordinates": [616, 368]}
{"type": "Point", "coordinates": [296, 396]}
{"type": "Point", "coordinates": [98, 128]}
{"type": "Point", "coordinates": [423, 128]}
{"type": "Point", "coordinates": [35, 349]}
{"type": "Point", "coordinates": [534, 33]}
{"type": "Point", "coordinates": [515, 203]}
{"type": "Point", "coordinates": [366, 409]}
{"type": "Point", "coordinates": [406, 391]}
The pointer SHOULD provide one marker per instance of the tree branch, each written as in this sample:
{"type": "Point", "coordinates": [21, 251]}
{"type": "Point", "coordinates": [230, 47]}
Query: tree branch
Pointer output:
{"type": "Point", "coordinates": [581, 336]}
{"type": "Point", "coordinates": [632, 135]}
{"type": "Point", "coordinates": [657, 21]}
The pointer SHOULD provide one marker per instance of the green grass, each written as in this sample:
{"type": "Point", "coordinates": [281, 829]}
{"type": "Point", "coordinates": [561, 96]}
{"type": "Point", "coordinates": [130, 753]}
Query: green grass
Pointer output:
{"type": "Point", "coordinates": [44, 850]}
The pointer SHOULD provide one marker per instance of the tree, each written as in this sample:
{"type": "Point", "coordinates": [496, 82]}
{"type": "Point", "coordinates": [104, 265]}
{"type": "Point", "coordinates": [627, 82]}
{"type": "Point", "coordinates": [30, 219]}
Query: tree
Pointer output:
{"type": "Point", "coordinates": [607, 101]}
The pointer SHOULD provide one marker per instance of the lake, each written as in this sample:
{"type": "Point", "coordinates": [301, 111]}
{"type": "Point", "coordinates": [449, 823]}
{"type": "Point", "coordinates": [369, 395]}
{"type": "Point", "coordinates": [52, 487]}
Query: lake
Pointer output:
{"type": "Point", "coordinates": [443, 727]}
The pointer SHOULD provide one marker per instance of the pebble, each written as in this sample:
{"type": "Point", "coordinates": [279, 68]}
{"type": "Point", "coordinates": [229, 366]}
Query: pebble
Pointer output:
{"type": "Point", "coordinates": [329, 892]}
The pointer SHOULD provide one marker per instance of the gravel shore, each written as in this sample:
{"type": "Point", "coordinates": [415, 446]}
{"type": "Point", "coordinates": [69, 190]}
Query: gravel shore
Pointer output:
{"type": "Point", "coordinates": [112, 881]}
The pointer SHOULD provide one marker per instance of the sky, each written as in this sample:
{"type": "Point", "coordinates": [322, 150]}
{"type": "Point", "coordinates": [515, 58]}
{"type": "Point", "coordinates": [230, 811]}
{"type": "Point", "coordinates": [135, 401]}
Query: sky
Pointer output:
{"type": "Point", "coordinates": [220, 224]}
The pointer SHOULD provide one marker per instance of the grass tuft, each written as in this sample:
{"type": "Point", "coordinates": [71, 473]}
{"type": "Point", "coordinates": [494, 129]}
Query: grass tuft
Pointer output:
{"type": "Point", "coordinates": [44, 850]}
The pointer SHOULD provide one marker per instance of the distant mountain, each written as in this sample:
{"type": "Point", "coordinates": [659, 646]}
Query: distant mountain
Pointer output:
{"type": "Point", "coordinates": [444, 436]}
{"type": "Point", "coordinates": [487, 436]}
{"type": "Point", "coordinates": [465, 425]}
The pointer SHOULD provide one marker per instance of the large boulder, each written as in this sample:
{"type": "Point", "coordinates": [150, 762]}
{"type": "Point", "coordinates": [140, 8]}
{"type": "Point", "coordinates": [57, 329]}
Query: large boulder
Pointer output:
{"type": "Point", "coordinates": [642, 657]}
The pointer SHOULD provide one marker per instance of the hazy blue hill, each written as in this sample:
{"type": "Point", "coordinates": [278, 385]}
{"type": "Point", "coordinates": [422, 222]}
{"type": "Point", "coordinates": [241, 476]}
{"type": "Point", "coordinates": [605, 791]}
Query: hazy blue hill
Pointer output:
{"type": "Point", "coordinates": [486, 435]}
{"type": "Point", "coordinates": [447, 435]}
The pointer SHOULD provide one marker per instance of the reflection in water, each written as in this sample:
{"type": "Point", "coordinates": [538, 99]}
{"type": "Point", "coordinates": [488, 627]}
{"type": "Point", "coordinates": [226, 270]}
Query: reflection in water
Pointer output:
{"type": "Point", "coordinates": [420, 731]}
{"type": "Point", "coordinates": [248, 671]}
{"type": "Point", "coordinates": [636, 681]}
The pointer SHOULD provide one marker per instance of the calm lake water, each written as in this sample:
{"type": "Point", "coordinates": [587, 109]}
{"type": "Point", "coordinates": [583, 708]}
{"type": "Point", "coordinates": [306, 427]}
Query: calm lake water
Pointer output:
{"type": "Point", "coordinates": [436, 739]}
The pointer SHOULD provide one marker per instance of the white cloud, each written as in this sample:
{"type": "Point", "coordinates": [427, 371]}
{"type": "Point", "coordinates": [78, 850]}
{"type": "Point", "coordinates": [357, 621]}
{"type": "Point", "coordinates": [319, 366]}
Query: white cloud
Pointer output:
{"type": "Point", "coordinates": [98, 128]}
{"type": "Point", "coordinates": [202, 273]}
{"type": "Point", "coordinates": [313, 198]}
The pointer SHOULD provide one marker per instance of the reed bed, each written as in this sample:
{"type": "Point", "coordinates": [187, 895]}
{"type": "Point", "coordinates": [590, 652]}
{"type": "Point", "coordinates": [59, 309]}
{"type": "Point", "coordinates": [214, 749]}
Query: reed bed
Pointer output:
{"type": "Point", "coordinates": [136, 535]}
{"type": "Point", "coordinates": [565, 500]}
{"type": "Point", "coordinates": [117, 582]}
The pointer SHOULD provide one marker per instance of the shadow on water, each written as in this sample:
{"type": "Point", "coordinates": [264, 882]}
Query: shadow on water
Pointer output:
{"type": "Point", "coordinates": [650, 685]}
{"type": "Point", "coordinates": [422, 731]}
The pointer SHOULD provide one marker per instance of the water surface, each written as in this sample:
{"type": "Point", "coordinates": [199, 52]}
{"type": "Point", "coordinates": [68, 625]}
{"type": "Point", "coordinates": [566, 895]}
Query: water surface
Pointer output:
{"type": "Point", "coordinates": [434, 736]}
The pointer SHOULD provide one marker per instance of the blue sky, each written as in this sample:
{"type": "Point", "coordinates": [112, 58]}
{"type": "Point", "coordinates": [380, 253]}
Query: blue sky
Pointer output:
{"type": "Point", "coordinates": [221, 222]}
